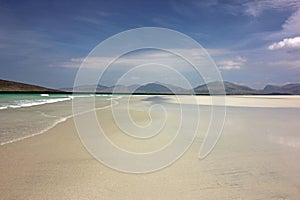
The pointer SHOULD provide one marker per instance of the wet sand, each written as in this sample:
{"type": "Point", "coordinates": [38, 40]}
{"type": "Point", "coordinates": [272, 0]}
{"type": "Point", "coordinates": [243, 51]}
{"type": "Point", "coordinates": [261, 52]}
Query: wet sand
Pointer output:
{"type": "Point", "coordinates": [257, 157]}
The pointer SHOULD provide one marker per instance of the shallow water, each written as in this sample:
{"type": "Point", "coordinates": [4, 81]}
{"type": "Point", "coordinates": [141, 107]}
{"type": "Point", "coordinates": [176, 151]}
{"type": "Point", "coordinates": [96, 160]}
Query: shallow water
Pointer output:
{"type": "Point", "coordinates": [26, 115]}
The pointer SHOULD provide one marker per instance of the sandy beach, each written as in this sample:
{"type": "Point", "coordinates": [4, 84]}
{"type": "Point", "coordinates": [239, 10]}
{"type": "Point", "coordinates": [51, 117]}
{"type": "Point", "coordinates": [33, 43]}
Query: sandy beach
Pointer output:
{"type": "Point", "coordinates": [150, 100]}
{"type": "Point", "coordinates": [257, 157]}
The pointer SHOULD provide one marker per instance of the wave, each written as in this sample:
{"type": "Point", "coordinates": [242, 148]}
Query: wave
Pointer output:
{"type": "Point", "coordinates": [3, 107]}
{"type": "Point", "coordinates": [46, 100]}
{"type": "Point", "coordinates": [36, 102]}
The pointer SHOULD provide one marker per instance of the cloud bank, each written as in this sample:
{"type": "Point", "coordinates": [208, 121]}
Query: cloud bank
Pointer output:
{"type": "Point", "coordinates": [287, 43]}
{"type": "Point", "coordinates": [233, 64]}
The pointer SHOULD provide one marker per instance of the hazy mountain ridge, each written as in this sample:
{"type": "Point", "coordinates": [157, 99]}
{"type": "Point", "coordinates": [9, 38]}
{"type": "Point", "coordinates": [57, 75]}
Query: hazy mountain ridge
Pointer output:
{"type": "Point", "coordinates": [150, 88]}
{"type": "Point", "coordinates": [159, 88]}
{"type": "Point", "coordinates": [293, 88]}
{"type": "Point", "coordinates": [215, 88]}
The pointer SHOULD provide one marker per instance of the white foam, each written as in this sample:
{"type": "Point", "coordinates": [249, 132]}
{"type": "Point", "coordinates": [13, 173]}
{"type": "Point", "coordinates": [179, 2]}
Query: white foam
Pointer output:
{"type": "Point", "coordinates": [3, 107]}
{"type": "Point", "coordinates": [36, 102]}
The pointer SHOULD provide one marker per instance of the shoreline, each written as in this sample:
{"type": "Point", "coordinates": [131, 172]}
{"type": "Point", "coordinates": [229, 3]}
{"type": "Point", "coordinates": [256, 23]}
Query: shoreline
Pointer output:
{"type": "Point", "coordinates": [36, 134]}
{"type": "Point", "coordinates": [56, 122]}
{"type": "Point", "coordinates": [261, 101]}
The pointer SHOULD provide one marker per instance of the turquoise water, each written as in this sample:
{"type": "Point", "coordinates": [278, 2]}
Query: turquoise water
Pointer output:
{"type": "Point", "coordinates": [28, 100]}
{"type": "Point", "coordinates": [26, 115]}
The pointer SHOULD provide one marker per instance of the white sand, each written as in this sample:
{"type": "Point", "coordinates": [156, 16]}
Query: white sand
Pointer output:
{"type": "Point", "coordinates": [267, 101]}
{"type": "Point", "coordinates": [257, 157]}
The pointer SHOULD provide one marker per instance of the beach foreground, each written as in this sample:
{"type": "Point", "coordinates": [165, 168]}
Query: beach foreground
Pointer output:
{"type": "Point", "coordinates": [257, 157]}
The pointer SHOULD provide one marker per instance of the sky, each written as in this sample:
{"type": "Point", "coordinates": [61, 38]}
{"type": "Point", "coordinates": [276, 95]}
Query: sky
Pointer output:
{"type": "Point", "coordinates": [252, 42]}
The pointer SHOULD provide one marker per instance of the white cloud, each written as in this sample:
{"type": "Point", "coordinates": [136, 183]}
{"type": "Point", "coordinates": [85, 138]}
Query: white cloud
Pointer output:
{"type": "Point", "coordinates": [234, 64]}
{"type": "Point", "coordinates": [287, 43]}
{"type": "Point", "coordinates": [127, 61]}
{"type": "Point", "coordinates": [291, 26]}
{"type": "Point", "coordinates": [251, 8]}
{"type": "Point", "coordinates": [160, 57]}
{"type": "Point", "coordinates": [255, 8]}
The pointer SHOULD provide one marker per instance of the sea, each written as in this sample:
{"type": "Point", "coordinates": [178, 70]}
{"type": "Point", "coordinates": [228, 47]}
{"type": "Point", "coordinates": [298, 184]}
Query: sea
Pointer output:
{"type": "Point", "coordinates": [25, 115]}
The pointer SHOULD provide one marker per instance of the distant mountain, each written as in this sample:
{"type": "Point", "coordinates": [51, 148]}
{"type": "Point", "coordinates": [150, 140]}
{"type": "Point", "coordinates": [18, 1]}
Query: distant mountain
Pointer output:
{"type": "Point", "coordinates": [115, 89]}
{"type": "Point", "coordinates": [216, 88]}
{"type": "Point", "coordinates": [153, 88]}
{"type": "Point", "coordinates": [11, 86]}
{"type": "Point", "coordinates": [230, 88]}
{"type": "Point", "coordinates": [159, 88]}
{"type": "Point", "coordinates": [177, 89]}
{"type": "Point", "coordinates": [285, 89]}
{"type": "Point", "coordinates": [86, 88]}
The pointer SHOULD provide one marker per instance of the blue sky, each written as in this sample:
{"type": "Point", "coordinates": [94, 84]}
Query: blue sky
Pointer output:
{"type": "Point", "coordinates": [252, 42]}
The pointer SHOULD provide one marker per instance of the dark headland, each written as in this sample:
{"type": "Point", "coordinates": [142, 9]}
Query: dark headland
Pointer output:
{"type": "Point", "coordinates": [17, 87]}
